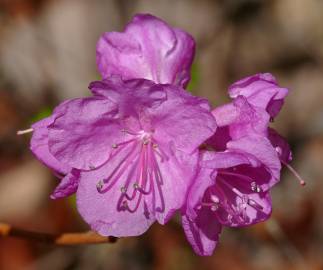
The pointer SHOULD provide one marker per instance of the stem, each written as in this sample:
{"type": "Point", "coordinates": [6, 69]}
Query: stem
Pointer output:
{"type": "Point", "coordinates": [89, 237]}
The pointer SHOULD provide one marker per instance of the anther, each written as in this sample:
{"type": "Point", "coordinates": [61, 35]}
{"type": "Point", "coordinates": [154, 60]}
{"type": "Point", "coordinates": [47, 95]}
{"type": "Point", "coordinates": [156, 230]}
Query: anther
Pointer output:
{"type": "Point", "coordinates": [278, 150]}
{"type": "Point", "coordinates": [114, 146]}
{"type": "Point", "coordinates": [99, 185]}
{"type": "Point", "coordinates": [214, 207]}
{"type": "Point", "coordinates": [293, 171]}
{"type": "Point", "coordinates": [214, 199]}
{"type": "Point", "coordinates": [123, 189]}
{"type": "Point", "coordinates": [91, 167]}
{"type": "Point", "coordinates": [155, 145]}
{"type": "Point", "coordinates": [135, 185]}
{"type": "Point", "coordinates": [125, 205]}
{"type": "Point", "coordinates": [255, 187]}
{"type": "Point", "coordinates": [21, 132]}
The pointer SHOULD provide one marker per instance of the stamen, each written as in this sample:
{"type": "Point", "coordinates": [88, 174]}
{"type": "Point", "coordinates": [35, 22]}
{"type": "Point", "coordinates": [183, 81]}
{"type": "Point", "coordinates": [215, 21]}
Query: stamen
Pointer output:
{"type": "Point", "coordinates": [214, 207]}
{"type": "Point", "coordinates": [129, 132]}
{"type": "Point", "coordinates": [99, 185]}
{"type": "Point", "coordinates": [215, 199]}
{"type": "Point", "coordinates": [124, 206]}
{"type": "Point", "coordinates": [119, 170]}
{"type": "Point", "coordinates": [235, 174]}
{"type": "Point", "coordinates": [255, 187]}
{"type": "Point", "coordinates": [91, 167]}
{"type": "Point", "coordinates": [293, 171]}
{"type": "Point", "coordinates": [139, 167]}
{"type": "Point", "coordinates": [159, 182]}
{"type": "Point", "coordinates": [278, 150]}
{"type": "Point", "coordinates": [21, 132]}
{"type": "Point", "coordinates": [244, 197]}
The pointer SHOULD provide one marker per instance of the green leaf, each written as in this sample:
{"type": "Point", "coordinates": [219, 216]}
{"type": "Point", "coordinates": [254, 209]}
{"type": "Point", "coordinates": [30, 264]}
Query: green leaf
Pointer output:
{"type": "Point", "coordinates": [195, 78]}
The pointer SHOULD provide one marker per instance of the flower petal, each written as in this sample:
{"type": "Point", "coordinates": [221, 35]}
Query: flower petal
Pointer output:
{"type": "Point", "coordinates": [103, 210]}
{"type": "Point", "coordinates": [39, 146]}
{"type": "Point", "coordinates": [261, 90]}
{"type": "Point", "coordinates": [177, 175]}
{"type": "Point", "coordinates": [149, 49]}
{"type": "Point", "coordinates": [203, 179]}
{"type": "Point", "coordinates": [241, 118]}
{"type": "Point", "coordinates": [182, 121]}
{"type": "Point", "coordinates": [202, 233]}
{"type": "Point", "coordinates": [82, 134]}
{"type": "Point", "coordinates": [281, 145]}
{"type": "Point", "coordinates": [130, 95]}
{"type": "Point", "coordinates": [260, 148]}
{"type": "Point", "coordinates": [239, 206]}
{"type": "Point", "coordinates": [67, 186]}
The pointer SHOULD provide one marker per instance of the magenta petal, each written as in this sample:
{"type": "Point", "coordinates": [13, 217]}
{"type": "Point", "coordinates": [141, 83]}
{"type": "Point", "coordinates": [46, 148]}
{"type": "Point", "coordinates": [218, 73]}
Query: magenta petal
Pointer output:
{"type": "Point", "coordinates": [236, 120]}
{"type": "Point", "coordinates": [148, 48]}
{"type": "Point", "coordinates": [238, 204]}
{"type": "Point", "coordinates": [227, 159]}
{"type": "Point", "coordinates": [67, 186]}
{"type": "Point", "coordinates": [183, 121]}
{"type": "Point", "coordinates": [261, 90]}
{"type": "Point", "coordinates": [281, 145]}
{"type": "Point", "coordinates": [202, 233]}
{"type": "Point", "coordinates": [241, 118]}
{"type": "Point", "coordinates": [83, 133]}
{"type": "Point", "coordinates": [204, 178]}
{"type": "Point", "coordinates": [140, 92]}
{"type": "Point", "coordinates": [254, 213]}
{"type": "Point", "coordinates": [104, 210]}
{"type": "Point", "coordinates": [177, 176]}
{"type": "Point", "coordinates": [261, 149]}
{"type": "Point", "coordinates": [39, 146]}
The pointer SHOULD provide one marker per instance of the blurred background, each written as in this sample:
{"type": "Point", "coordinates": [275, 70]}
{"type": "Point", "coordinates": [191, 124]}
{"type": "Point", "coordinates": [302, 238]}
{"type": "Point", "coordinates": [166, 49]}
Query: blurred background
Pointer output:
{"type": "Point", "coordinates": [47, 54]}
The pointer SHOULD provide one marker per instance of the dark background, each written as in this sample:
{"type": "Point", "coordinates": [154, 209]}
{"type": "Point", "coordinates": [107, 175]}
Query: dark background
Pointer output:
{"type": "Point", "coordinates": [47, 54]}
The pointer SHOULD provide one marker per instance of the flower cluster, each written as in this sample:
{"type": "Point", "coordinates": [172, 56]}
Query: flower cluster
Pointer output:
{"type": "Point", "coordinates": [142, 148]}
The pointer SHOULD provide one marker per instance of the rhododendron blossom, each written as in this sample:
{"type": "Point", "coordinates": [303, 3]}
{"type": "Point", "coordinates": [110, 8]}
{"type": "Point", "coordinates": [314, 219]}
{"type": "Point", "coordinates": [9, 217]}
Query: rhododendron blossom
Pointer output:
{"type": "Point", "coordinates": [132, 150]}
{"type": "Point", "coordinates": [141, 147]}
{"type": "Point", "coordinates": [238, 165]}
{"type": "Point", "coordinates": [148, 48]}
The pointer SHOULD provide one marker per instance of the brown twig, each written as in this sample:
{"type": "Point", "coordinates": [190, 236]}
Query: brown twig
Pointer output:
{"type": "Point", "coordinates": [89, 237]}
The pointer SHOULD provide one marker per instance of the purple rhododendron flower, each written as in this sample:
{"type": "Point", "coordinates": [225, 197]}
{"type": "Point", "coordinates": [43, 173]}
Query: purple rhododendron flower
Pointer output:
{"type": "Point", "coordinates": [261, 90]}
{"type": "Point", "coordinates": [148, 48]}
{"type": "Point", "coordinates": [236, 173]}
{"type": "Point", "coordinates": [132, 149]}
{"type": "Point", "coordinates": [39, 146]}
{"type": "Point", "coordinates": [231, 189]}
{"type": "Point", "coordinates": [141, 147]}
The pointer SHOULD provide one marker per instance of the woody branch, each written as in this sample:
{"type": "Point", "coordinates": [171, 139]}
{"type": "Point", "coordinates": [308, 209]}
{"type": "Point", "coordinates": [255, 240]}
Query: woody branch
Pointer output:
{"type": "Point", "coordinates": [89, 237]}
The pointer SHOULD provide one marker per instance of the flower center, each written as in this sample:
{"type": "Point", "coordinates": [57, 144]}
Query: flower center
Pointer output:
{"type": "Point", "coordinates": [220, 199]}
{"type": "Point", "coordinates": [137, 173]}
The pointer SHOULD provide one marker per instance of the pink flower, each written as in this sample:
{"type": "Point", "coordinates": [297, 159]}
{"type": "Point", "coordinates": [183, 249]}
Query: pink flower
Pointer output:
{"type": "Point", "coordinates": [132, 149]}
{"type": "Point", "coordinates": [261, 90]}
{"type": "Point", "coordinates": [141, 147]}
{"type": "Point", "coordinates": [148, 48]}
{"type": "Point", "coordinates": [231, 189]}
{"type": "Point", "coordinates": [238, 165]}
